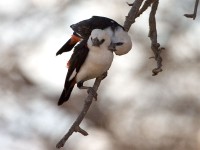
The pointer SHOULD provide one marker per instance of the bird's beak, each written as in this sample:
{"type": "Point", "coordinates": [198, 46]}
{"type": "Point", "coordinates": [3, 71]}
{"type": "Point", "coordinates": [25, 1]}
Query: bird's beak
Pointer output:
{"type": "Point", "coordinates": [96, 42]}
{"type": "Point", "coordinates": [112, 47]}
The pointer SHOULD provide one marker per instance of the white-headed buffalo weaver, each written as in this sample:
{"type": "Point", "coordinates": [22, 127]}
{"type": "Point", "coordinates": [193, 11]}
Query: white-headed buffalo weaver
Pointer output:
{"type": "Point", "coordinates": [90, 59]}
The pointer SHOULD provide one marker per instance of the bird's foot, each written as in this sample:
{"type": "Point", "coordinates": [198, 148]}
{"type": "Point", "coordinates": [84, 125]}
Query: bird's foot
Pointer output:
{"type": "Point", "coordinates": [104, 75]}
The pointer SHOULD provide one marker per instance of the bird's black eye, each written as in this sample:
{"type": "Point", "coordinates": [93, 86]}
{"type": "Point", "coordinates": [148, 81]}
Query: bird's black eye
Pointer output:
{"type": "Point", "coordinates": [119, 43]}
{"type": "Point", "coordinates": [102, 41]}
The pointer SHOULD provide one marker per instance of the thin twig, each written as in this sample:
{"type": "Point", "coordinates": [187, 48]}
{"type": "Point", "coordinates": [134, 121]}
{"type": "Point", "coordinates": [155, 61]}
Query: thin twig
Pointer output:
{"type": "Point", "coordinates": [155, 46]}
{"type": "Point", "coordinates": [147, 3]}
{"type": "Point", "coordinates": [76, 125]}
{"type": "Point", "coordinates": [195, 11]}
{"type": "Point", "coordinates": [129, 4]}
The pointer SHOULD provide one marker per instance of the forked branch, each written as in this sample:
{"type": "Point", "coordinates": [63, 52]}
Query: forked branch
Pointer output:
{"type": "Point", "coordinates": [155, 46]}
{"type": "Point", "coordinates": [147, 3]}
{"type": "Point", "coordinates": [76, 125]}
{"type": "Point", "coordinates": [130, 19]}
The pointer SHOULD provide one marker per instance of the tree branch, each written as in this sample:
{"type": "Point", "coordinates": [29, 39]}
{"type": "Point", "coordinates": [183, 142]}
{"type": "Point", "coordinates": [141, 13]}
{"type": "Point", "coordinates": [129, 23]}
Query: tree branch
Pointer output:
{"type": "Point", "coordinates": [136, 12]}
{"type": "Point", "coordinates": [195, 11]}
{"type": "Point", "coordinates": [147, 3]}
{"type": "Point", "coordinates": [76, 125]}
{"type": "Point", "coordinates": [130, 19]}
{"type": "Point", "coordinates": [155, 46]}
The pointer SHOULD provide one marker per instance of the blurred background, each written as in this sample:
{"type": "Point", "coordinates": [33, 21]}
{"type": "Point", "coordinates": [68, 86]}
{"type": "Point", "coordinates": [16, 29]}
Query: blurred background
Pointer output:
{"type": "Point", "coordinates": [135, 110]}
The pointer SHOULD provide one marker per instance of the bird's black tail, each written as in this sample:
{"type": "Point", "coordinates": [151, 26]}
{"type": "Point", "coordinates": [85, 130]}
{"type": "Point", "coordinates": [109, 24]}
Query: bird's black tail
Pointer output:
{"type": "Point", "coordinates": [66, 47]}
{"type": "Point", "coordinates": [69, 85]}
{"type": "Point", "coordinates": [69, 44]}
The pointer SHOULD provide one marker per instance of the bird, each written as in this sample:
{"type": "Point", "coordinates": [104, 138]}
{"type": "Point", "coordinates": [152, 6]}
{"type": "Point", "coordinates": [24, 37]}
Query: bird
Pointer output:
{"type": "Point", "coordinates": [91, 58]}
{"type": "Point", "coordinates": [83, 29]}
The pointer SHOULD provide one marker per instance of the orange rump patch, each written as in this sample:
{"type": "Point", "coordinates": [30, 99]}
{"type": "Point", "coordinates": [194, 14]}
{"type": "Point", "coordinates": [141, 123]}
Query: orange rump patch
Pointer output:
{"type": "Point", "coordinates": [74, 39]}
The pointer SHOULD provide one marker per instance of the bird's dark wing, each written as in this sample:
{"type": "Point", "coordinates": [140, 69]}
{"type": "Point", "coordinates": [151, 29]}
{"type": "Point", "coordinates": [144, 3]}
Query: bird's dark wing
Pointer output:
{"type": "Point", "coordinates": [78, 58]}
{"type": "Point", "coordinates": [85, 27]}
{"type": "Point", "coordinates": [104, 22]}
{"type": "Point", "coordinates": [66, 47]}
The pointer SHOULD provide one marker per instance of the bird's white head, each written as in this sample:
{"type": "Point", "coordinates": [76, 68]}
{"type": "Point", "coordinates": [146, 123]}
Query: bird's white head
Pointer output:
{"type": "Point", "coordinates": [99, 38]}
{"type": "Point", "coordinates": [122, 41]}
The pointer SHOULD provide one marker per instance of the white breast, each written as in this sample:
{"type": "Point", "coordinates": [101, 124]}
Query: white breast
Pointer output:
{"type": "Point", "coordinates": [97, 62]}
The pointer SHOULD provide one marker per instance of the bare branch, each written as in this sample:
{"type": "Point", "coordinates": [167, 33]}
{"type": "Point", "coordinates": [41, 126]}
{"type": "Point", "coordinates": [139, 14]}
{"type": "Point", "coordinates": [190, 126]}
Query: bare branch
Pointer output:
{"type": "Point", "coordinates": [155, 46]}
{"type": "Point", "coordinates": [147, 3]}
{"type": "Point", "coordinates": [136, 12]}
{"type": "Point", "coordinates": [195, 11]}
{"type": "Point", "coordinates": [76, 125]}
{"type": "Point", "coordinates": [130, 19]}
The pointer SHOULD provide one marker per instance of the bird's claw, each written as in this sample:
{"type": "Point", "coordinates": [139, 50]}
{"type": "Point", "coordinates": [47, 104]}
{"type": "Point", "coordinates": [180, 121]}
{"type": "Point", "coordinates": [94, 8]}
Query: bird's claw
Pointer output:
{"type": "Point", "coordinates": [104, 75]}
